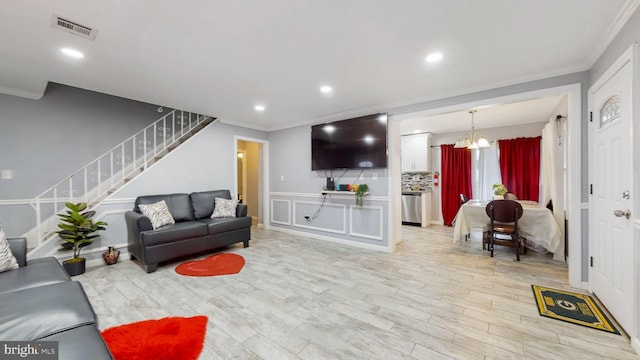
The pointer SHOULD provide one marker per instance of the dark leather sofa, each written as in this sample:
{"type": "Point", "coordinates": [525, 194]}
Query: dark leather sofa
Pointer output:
{"type": "Point", "coordinates": [194, 230]}
{"type": "Point", "coordinates": [41, 303]}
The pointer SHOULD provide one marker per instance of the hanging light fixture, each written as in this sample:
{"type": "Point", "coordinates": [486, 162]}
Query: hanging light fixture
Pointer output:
{"type": "Point", "coordinates": [473, 140]}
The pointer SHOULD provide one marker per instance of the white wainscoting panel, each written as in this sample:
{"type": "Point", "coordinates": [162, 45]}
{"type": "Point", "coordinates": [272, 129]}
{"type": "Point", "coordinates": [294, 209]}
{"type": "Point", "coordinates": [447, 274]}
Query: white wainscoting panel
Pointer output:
{"type": "Point", "coordinates": [276, 216]}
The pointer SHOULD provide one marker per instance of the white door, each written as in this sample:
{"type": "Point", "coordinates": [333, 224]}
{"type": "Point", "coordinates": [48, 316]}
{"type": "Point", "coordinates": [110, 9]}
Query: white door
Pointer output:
{"type": "Point", "coordinates": [611, 274]}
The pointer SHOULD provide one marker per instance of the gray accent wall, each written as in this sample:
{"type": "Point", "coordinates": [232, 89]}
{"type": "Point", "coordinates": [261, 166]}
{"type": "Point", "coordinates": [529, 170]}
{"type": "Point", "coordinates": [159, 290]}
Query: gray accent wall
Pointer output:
{"type": "Point", "coordinates": [43, 141]}
{"type": "Point", "coordinates": [204, 162]}
{"type": "Point", "coordinates": [296, 193]}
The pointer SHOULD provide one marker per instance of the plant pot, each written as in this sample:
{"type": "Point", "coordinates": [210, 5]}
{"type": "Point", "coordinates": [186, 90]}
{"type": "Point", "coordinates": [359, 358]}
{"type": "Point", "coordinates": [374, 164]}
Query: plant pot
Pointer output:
{"type": "Point", "coordinates": [75, 266]}
{"type": "Point", "coordinates": [498, 197]}
{"type": "Point", "coordinates": [110, 256]}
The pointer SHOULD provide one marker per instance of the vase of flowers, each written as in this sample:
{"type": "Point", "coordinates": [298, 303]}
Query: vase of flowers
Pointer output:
{"type": "Point", "coordinates": [498, 191]}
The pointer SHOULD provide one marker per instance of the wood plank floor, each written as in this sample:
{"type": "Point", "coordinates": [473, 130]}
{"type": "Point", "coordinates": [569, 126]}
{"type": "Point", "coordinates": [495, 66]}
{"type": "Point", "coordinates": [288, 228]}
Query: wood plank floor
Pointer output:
{"type": "Point", "coordinates": [302, 298]}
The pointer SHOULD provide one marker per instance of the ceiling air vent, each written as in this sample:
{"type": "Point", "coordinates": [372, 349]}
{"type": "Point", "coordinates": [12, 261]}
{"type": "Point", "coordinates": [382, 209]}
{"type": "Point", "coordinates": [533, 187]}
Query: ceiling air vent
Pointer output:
{"type": "Point", "coordinates": [73, 27]}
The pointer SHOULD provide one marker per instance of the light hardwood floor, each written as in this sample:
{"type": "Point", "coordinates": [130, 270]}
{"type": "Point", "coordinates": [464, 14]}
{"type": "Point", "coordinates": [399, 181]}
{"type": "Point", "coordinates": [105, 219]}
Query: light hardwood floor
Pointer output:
{"type": "Point", "coordinates": [302, 298]}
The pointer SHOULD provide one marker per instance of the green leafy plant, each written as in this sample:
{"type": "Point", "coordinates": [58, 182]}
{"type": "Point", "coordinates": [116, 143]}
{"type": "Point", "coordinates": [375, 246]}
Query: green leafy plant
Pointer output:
{"type": "Point", "coordinates": [77, 228]}
{"type": "Point", "coordinates": [363, 190]}
{"type": "Point", "coordinates": [499, 189]}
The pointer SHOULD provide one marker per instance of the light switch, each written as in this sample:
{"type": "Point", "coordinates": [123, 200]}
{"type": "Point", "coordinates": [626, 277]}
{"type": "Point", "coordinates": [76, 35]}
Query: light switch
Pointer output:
{"type": "Point", "coordinates": [281, 177]}
{"type": "Point", "coordinates": [6, 174]}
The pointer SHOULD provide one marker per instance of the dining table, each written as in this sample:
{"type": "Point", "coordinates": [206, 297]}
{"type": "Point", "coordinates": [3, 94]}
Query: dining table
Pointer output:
{"type": "Point", "coordinates": [537, 224]}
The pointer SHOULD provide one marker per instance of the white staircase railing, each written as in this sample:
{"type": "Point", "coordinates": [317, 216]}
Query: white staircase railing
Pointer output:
{"type": "Point", "coordinates": [101, 177]}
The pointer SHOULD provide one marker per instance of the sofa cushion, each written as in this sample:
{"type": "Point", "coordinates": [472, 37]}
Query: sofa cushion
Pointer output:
{"type": "Point", "coordinates": [39, 272]}
{"type": "Point", "coordinates": [158, 213]}
{"type": "Point", "coordinates": [204, 201]}
{"type": "Point", "coordinates": [219, 225]}
{"type": "Point", "coordinates": [7, 260]}
{"type": "Point", "coordinates": [81, 343]}
{"type": "Point", "coordinates": [179, 205]}
{"type": "Point", "coordinates": [174, 232]}
{"type": "Point", "coordinates": [32, 314]}
{"type": "Point", "coordinates": [224, 208]}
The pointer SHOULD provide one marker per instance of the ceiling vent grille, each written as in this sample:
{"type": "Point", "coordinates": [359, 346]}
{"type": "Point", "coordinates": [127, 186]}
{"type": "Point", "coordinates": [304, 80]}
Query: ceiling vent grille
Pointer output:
{"type": "Point", "coordinates": [73, 27]}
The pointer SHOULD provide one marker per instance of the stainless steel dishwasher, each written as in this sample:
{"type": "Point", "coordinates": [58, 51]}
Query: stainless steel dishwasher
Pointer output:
{"type": "Point", "coordinates": [412, 208]}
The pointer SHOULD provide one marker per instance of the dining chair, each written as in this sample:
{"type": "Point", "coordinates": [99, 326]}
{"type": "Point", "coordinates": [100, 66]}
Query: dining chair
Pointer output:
{"type": "Point", "coordinates": [504, 215]}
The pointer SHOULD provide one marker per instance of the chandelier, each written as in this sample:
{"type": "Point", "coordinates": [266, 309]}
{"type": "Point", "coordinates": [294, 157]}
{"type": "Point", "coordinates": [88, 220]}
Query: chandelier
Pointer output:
{"type": "Point", "coordinates": [473, 140]}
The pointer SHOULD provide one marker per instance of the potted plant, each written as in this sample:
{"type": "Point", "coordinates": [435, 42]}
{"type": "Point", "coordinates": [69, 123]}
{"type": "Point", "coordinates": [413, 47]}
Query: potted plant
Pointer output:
{"type": "Point", "coordinates": [77, 231]}
{"type": "Point", "coordinates": [498, 191]}
{"type": "Point", "coordinates": [362, 190]}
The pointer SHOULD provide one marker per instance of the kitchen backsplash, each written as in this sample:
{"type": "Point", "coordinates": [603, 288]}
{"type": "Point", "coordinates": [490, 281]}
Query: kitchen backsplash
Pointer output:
{"type": "Point", "coordinates": [417, 181]}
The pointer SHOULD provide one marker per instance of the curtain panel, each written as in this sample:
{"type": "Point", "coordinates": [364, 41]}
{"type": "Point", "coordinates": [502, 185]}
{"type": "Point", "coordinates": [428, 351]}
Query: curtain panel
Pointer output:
{"type": "Point", "coordinates": [520, 166]}
{"type": "Point", "coordinates": [456, 179]}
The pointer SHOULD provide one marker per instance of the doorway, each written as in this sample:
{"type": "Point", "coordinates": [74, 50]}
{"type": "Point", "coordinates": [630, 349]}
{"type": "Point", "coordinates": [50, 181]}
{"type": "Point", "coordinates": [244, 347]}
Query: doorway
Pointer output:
{"type": "Point", "coordinates": [573, 205]}
{"type": "Point", "coordinates": [249, 177]}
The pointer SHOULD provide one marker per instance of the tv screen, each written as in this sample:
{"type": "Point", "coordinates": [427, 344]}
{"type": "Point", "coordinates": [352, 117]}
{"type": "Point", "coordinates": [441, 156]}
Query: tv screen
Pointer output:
{"type": "Point", "coordinates": [358, 143]}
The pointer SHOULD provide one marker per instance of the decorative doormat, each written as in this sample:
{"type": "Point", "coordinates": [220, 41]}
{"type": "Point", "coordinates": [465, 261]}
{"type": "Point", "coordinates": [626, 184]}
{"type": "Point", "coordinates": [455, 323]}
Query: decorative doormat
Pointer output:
{"type": "Point", "coordinates": [218, 264]}
{"type": "Point", "coordinates": [571, 307]}
{"type": "Point", "coordinates": [176, 338]}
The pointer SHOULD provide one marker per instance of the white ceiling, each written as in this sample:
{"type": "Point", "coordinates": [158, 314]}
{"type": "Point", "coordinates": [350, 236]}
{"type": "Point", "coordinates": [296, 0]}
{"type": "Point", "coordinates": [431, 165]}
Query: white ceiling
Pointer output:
{"type": "Point", "coordinates": [223, 57]}
{"type": "Point", "coordinates": [490, 116]}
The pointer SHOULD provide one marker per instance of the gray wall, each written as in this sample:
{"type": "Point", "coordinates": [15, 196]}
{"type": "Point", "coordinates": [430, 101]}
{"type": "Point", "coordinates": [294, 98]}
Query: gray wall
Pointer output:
{"type": "Point", "coordinates": [43, 141]}
{"type": "Point", "coordinates": [204, 162]}
{"type": "Point", "coordinates": [296, 193]}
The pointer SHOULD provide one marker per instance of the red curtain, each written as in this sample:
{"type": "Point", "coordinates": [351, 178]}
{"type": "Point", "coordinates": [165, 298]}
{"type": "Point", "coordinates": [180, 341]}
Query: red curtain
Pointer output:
{"type": "Point", "coordinates": [520, 166]}
{"type": "Point", "coordinates": [456, 179]}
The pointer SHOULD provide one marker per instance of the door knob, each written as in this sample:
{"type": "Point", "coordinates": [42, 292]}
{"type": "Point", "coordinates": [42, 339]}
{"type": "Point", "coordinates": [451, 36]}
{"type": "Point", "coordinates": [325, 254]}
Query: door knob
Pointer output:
{"type": "Point", "coordinates": [621, 213]}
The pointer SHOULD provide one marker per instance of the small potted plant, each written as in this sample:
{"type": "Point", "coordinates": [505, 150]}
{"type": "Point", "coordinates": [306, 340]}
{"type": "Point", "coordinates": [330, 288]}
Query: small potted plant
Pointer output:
{"type": "Point", "coordinates": [362, 190]}
{"type": "Point", "coordinates": [498, 191]}
{"type": "Point", "coordinates": [77, 231]}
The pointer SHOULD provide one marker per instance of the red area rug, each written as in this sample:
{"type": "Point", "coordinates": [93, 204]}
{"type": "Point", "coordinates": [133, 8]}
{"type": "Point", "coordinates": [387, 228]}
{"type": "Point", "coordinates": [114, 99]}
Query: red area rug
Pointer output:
{"type": "Point", "coordinates": [218, 264]}
{"type": "Point", "coordinates": [176, 338]}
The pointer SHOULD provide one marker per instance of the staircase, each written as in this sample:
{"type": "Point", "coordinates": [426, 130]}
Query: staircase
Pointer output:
{"type": "Point", "coordinates": [103, 176]}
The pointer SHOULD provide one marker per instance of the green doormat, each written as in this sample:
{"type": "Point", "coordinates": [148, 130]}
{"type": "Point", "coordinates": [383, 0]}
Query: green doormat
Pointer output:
{"type": "Point", "coordinates": [572, 307]}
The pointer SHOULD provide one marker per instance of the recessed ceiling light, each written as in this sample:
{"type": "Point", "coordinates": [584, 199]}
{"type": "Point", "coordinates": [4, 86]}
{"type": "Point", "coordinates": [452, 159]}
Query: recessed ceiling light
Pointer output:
{"type": "Point", "coordinates": [326, 89]}
{"type": "Point", "coordinates": [72, 53]}
{"type": "Point", "coordinates": [435, 57]}
{"type": "Point", "coordinates": [259, 107]}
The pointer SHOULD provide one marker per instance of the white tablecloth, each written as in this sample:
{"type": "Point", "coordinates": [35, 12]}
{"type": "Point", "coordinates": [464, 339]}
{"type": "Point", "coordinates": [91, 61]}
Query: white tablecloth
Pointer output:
{"type": "Point", "coordinates": [537, 224]}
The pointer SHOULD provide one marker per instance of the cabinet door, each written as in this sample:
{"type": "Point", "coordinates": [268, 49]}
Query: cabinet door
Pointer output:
{"type": "Point", "coordinates": [420, 150]}
{"type": "Point", "coordinates": [415, 152]}
{"type": "Point", "coordinates": [406, 153]}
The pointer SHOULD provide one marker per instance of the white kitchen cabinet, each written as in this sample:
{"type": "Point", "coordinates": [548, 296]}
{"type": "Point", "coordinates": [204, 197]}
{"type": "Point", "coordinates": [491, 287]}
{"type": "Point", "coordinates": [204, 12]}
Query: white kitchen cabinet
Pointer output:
{"type": "Point", "coordinates": [415, 152]}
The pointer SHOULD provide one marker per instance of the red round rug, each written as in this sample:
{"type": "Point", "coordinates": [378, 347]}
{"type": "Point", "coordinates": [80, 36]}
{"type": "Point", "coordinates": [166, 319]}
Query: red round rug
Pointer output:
{"type": "Point", "coordinates": [218, 264]}
{"type": "Point", "coordinates": [176, 338]}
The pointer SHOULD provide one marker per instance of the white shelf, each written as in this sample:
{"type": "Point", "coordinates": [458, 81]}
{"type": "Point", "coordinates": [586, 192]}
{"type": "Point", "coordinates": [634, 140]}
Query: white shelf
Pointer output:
{"type": "Point", "coordinates": [335, 192]}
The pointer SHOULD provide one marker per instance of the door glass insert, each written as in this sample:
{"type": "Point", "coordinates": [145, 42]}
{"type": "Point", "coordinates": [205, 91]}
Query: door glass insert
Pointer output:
{"type": "Point", "coordinates": [610, 110]}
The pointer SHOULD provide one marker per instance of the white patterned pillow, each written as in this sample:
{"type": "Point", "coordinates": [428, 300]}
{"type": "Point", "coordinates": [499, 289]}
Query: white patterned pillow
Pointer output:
{"type": "Point", "coordinates": [224, 208]}
{"type": "Point", "coordinates": [7, 260]}
{"type": "Point", "coordinates": [158, 213]}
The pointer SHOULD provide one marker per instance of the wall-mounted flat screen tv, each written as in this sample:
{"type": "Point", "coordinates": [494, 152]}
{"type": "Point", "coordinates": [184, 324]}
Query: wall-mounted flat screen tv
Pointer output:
{"type": "Point", "coordinates": [357, 143]}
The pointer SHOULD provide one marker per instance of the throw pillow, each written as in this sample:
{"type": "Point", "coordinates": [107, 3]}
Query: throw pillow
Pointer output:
{"type": "Point", "coordinates": [158, 213]}
{"type": "Point", "coordinates": [224, 208]}
{"type": "Point", "coordinates": [7, 260]}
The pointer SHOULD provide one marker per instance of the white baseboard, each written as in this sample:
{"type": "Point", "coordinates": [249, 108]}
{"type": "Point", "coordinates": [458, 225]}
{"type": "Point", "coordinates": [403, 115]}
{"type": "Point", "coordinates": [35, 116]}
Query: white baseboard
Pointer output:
{"type": "Point", "coordinates": [333, 240]}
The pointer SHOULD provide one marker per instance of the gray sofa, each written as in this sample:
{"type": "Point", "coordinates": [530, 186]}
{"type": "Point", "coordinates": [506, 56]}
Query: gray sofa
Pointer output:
{"type": "Point", "coordinates": [194, 230]}
{"type": "Point", "coordinates": [41, 303]}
